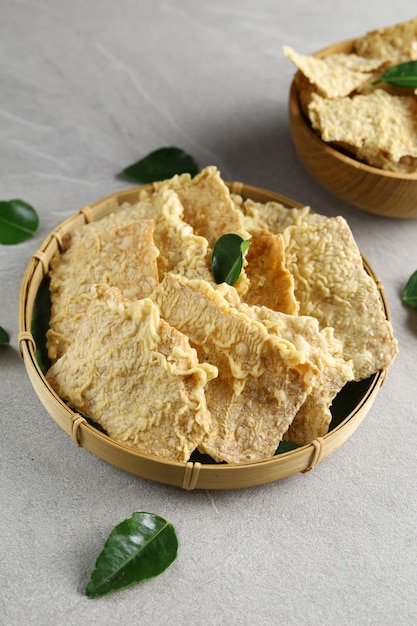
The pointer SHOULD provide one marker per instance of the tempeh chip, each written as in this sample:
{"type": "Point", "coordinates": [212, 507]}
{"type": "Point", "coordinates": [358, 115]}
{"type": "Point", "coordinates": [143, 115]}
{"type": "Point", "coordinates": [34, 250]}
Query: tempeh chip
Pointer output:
{"type": "Point", "coordinates": [180, 249]}
{"type": "Point", "coordinates": [271, 216]}
{"type": "Point", "coordinates": [326, 352]}
{"type": "Point", "coordinates": [270, 282]}
{"type": "Point", "coordinates": [119, 255]}
{"type": "Point", "coordinates": [336, 75]}
{"type": "Point", "coordinates": [331, 284]}
{"type": "Point", "coordinates": [395, 43]}
{"type": "Point", "coordinates": [208, 205]}
{"type": "Point", "coordinates": [263, 379]}
{"type": "Point", "coordinates": [136, 376]}
{"type": "Point", "coordinates": [378, 127]}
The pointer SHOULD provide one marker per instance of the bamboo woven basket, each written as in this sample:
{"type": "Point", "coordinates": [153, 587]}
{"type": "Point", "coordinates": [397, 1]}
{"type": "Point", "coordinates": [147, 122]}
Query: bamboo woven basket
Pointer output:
{"type": "Point", "coordinates": [193, 474]}
{"type": "Point", "coordinates": [389, 194]}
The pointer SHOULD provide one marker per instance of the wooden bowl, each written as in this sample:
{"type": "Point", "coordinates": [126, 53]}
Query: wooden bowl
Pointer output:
{"type": "Point", "coordinates": [349, 407]}
{"type": "Point", "coordinates": [371, 189]}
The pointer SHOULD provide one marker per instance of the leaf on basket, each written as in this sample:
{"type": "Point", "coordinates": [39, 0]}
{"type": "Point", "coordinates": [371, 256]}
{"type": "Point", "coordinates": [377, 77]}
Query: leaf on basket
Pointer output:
{"type": "Point", "coordinates": [286, 446]}
{"type": "Point", "coordinates": [140, 547]}
{"type": "Point", "coordinates": [40, 324]}
{"type": "Point", "coordinates": [18, 221]}
{"type": "Point", "coordinates": [162, 164]}
{"type": "Point", "coordinates": [409, 295]}
{"type": "Point", "coordinates": [403, 75]}
{"type": "Point", "coordinates": [227, 258]}
{"type": "Point", "coordinates": [4, 337]}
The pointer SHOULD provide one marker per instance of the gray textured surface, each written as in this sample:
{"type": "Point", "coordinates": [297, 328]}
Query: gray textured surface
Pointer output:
{"type": "Point", "coordinates": [87, 87]}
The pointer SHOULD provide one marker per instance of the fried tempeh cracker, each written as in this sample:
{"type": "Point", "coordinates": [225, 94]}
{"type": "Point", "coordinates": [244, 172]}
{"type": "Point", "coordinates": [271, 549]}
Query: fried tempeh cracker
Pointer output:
{"type": "Point", "coordinates": [336, 75]}
{"type": "Point", "coordinates": [136, 376]}
{"type": "Point", "coordinates": [395, 43]}
{"type": "Point", "coordinates": [271, 216]}
{"type": "Point", "coordinates": [207, 203]}
{"type": "Point", "coordinates": [378, 127]}
{"type": "Point", "coordinates": [248, 426]}
{"type": "Point", "coordinates": [180, 249]}
{"type": "Point", "coordinates": [326, 352]}
{"type": "Point", "coordinates": [270, 282]}
{"type": "Point", "coordinates": [332, 285]}
{"type": "Point", "coordinates": [122, 256]}
{"type": "Point", "coordinates": [264, 379]}
{"type": "Point", "coordinates": [208, 207]}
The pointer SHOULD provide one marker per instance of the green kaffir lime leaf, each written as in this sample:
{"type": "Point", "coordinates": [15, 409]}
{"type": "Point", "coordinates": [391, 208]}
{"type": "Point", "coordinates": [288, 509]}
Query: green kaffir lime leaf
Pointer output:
{"type": "Point", "coordinates": [4, 337]}
{"type": "Point", "coordinates": [142, 546]}
{"type": "Point", "coordinates": [409, 295]}
{"type": "Point", "coordinates": [227, 258]}
{"type": "Point", "coordinates": [162, 164]}
{"type": "Point", "coordinates": [18, 221]}
{"type": "Point", "coordinates": [403, 75]}
{"type": "Point", "coordinates": [286, 446]}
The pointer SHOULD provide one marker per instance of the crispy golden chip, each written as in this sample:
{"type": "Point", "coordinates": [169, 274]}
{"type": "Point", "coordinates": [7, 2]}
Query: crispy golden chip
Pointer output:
{"type": "Point", "coordinates": [111, 216]}
{"type": "Point", "coordinates": [210, 210]}
{"type": "Point", "coordinates": [305, 91]}
{"type": "Point", "coordinates": [247, 426]}
{"type": "Point", "coordinates": [336, 75]}
{"type": "Point", "coordinates": [122, 355]}
{"type": "Point", "coordinates": [207, 202]}
{"type": "Point", "coordinates": [122, 256]}
{"type": "Point", "coordinates": [395, 43]}
{"type": "Point", "coordinates": [271, 216]}
{"type": "Point", "coordinates": [271, 284]}
{"type": "Point", "coordinates": [326, 352]}
{"type": "Point", "coordinates": [379, 127]}
{"type": "Point", "coordinates": [265, 378]}
{"type": "Point", "coordinates": [214, 328]}
{"type": "Point", "coordinates": [180, 249]}
{"type": "Point", "coordinates": [332, 285]}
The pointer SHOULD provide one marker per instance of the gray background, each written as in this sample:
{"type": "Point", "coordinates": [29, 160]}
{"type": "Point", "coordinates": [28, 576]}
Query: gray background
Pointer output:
{"type": "Point", "coordinates": [86, 88]}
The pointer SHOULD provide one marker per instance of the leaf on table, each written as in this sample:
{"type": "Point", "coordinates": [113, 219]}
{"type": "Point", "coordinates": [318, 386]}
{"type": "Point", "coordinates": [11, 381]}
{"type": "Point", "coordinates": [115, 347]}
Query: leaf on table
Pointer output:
{"type": "Point", "coordinates": [409, 295]}
{"type": "Point", "coordinates": [227, 258]}
{"type": "Point", "coordinates": [4, 337]}
{"type": "Point", "coordinates": [140, 547]}
{"type": "Point", "coordinates": [162, 164]}
{"type": "Point", "coordinates": [18, 221]}
{"type": "Point", "coordinates": [403, 75]}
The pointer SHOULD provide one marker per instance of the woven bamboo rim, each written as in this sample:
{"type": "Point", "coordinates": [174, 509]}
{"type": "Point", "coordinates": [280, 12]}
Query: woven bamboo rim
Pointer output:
{"type": "Point", "coordinates": [377, 191]}
{"type": "Point", "coordinates": [191, 475]}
